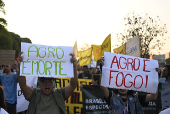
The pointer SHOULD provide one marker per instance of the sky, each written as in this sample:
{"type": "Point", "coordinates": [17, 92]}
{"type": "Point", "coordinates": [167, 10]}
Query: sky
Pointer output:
{"type": "Point", "coordinates": [61, 23]}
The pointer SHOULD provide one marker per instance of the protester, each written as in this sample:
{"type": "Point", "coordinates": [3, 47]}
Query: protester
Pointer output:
{"type": "Point", "coordinates": [163, 101]}
{"type": "Point", "coordinates": [2, 102]}
{"type": "Point", "coordinates": [47, 100]}
{"type": "Point", "coordinates": [125, 101]}
{"type": "Point", "coordinates": [86, 74]}
{"type": "Point", "coordinates": [9, 81]}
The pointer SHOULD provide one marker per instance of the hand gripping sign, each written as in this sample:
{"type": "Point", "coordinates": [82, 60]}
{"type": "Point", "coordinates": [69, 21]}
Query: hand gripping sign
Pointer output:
{"type": "Point", "coordinates": [46, 61]}
{"type": "Point", "coordinates": [128, 72]}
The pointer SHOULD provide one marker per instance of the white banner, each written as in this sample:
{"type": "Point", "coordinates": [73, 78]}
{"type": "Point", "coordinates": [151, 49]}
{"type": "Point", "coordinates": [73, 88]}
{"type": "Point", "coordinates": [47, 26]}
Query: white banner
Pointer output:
{"type": "Point", "coordinates": [22, 103]}
{"type": "Point", "coordinates": [128, 72]}
{"type": "Point", "coordinates": [46, 61]}
{"type": "Point", "coordinates": [132, 47]}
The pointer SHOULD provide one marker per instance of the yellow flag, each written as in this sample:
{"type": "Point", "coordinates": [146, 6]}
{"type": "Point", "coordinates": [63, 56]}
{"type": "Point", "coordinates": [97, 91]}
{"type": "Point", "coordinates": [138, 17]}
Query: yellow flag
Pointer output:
{"type": "Point", "coordinates": [85, 57]}
{"type": "Point", "coordinates": [121, 49]}
{"type": "Point", "coordinates": [96, 52]}
{"type": "Point", "coordinates": [106, 45]}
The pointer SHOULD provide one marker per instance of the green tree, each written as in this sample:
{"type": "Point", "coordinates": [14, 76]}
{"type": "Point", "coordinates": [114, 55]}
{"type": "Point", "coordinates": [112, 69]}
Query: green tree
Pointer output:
{"type": "Point", "coordinates": [3, 22]}
{"type": "Point", "coordinates": [150, 31]}
{"type": "Point", "coordinates": [167, 61]}
{"type": "Point", "coordinates": [27, 40]}
{"type": "Point", "coordinates": [16, 43]}
{"type": "Point", "coordinates": [6, 41]}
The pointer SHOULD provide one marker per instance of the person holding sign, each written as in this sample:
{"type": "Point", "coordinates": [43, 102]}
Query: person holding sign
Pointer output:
{"type": "Point", "coordinates": [46, 100]}
{"type": "Point", "coordinates": [124, 101]}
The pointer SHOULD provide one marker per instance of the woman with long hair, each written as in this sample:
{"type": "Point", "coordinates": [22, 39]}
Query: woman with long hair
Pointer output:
{"type": "Point", "coordinates": [2, 101]}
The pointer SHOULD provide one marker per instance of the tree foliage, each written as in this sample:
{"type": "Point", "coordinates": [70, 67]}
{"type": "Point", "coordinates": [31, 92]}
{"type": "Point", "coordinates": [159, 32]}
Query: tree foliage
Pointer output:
{"type": "Point", "coordinates": [6, 41]}
{"type": "Point", "coordinates": [150, 31]}
{"type": "Point", "coordinates": [2, 20]}
{"type": "Point", "coordinates": [27, 40]}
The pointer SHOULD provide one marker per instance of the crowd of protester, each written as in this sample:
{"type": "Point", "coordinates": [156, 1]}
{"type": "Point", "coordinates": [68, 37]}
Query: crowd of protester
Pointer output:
{"type": "Point", "coordinates": [45, 99]}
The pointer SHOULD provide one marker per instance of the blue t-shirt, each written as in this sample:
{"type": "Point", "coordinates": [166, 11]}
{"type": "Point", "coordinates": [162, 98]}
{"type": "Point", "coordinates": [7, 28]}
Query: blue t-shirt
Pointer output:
{"type": "Point", "coordinates": [10, 87]}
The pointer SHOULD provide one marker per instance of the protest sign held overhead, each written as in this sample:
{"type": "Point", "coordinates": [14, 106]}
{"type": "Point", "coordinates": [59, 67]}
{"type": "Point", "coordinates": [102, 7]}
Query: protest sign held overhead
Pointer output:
{"type": "Point", "coordinates": [85, 57]}
{"type": "Point", "coordinates": [46, 61]}
{"type": "Point", "coordinates": [131, 48]}
{"type": "Point", "coordinates": [98, 50]}
{"type": "Point", "coordinates": [7, 57]}
{"type": "Point", "coordinates": [128, 72]}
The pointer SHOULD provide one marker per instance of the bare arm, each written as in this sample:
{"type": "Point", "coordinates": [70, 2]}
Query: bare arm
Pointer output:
{"type": "Point", "coordinates": [105, 91]}
{"type": "Point", "coordinates": [151, 97]}
{"type": "Point", "coordinates": [73, 82]}
{"type": "Point", "coordinates": [27, 90]}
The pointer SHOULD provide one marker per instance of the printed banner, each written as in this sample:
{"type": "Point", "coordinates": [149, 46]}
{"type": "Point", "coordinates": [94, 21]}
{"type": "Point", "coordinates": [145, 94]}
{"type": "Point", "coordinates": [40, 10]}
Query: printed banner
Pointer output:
{"type": "Point", "coordinates": [7, 57]}
{"type": "Point", "coordinates": [74, 104]}
{"type": "Point", "coordinates": [96, 52]}
{"type": "Point", "coordinates": [128, 72]}
{"type": "Point", "coordinates": [46, 61]}
{"type": "Point", "coordinates": [131, 48]}
{"type": "Point", "coordinates": [22, 103]}
{"type": "Point", "coordinates": [106, 45]}
{"type": "Point", "coordinates": [121, 49]}
{"type": "Point", "coordinates": [93, 100]}
{"type": "Point", "coordinates": [85, 57]}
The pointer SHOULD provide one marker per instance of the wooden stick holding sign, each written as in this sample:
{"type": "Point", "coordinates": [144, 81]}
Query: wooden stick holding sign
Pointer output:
{"type": "Point", "coordinates": [128, 72]}
{"type": "Point", "coordinates": [46, 61]}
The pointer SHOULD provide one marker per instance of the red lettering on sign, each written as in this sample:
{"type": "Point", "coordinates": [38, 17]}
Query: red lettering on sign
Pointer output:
{"type": "Point", "coordinates": [138, 64]}
{"type": "Point", "coordinates": [122, 79]}
{"type": "Point", "coordinates": [144, 69]}
{"type": "Point", "coordinates": [129, 81]}
{"type": "Point", "coordinates": [129, 62]}
{"type": "Point", "coordinates": [135, 81]}
{"type": "Point", "coordinates": [111, 76]}
{"type": "Point", "coordinates": [113, 61]}
{"type": "Point", "coordinates": [123, 62]}
{"type": "Point", "coordinates": [146, 81]}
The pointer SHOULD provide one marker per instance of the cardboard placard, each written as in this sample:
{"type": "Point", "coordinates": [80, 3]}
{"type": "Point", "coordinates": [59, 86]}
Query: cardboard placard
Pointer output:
{"type": "Point", "coordinates": [7, 57]}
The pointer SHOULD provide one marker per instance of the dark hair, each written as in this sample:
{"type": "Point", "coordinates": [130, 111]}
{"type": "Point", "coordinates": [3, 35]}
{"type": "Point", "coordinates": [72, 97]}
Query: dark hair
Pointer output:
{"type": "Point", "coordinates": [168, 68]}
{"type": "Point", "coordinates": [41, 79]}
{"type": "Point", "coordinates": [2, 98]}
{"type": "Point", "coordinates": [85, 66]}
{"type": "Point", "coordinates": [96, 77]}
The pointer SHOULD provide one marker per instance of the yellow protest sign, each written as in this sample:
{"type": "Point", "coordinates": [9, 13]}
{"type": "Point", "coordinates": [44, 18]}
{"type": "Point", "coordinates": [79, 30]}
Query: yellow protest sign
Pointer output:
{"type": "Point", "coordinates": [85, 57]}
{"type": "Point", "coordinates": [106, 45]}
{"type": "Point", "coordinates": [74, 103]}
{"type": "Point", "coordinates": [121, 49]}
{"type": "Point", "coordinates": [96, 52]}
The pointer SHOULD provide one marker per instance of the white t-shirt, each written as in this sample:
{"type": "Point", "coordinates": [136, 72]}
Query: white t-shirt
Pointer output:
{"type": "Point", "coordinates": [2, 111]}
{"type": "Point", "coordinates": [166, 111]}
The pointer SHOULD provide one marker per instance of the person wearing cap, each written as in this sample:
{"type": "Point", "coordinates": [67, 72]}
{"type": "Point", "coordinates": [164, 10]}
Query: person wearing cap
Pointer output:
{"type": "Point", "coordinates": [46, 99]}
